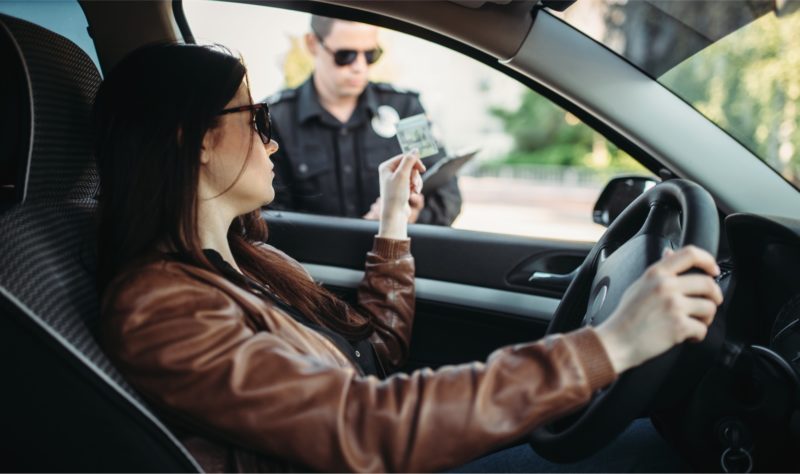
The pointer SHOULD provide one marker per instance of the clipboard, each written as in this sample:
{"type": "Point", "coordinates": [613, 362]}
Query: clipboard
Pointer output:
{"type": "Point", "coordinates": [445, 169]}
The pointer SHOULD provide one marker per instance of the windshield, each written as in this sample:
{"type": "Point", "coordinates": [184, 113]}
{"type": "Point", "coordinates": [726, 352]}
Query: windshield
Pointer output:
{"type": "Point", "coordinates": [736, 62]}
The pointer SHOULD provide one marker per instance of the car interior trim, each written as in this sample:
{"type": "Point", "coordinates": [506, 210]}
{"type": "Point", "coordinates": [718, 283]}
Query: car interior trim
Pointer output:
{"type": "Point", "coordinates": [118, 28]}
{"type": "Point", "coordinates": [83, 364]}
{"type": "Point", "coordinates": [780, 362]}
{"type": "Point", "coordinates": [24, 170]}
{"type": "Point", "coordinates": [517, 304]}
{"type": "Point", "coordinates": [457, 20]}
{"type": "Point", "coordinates": [183, 24]}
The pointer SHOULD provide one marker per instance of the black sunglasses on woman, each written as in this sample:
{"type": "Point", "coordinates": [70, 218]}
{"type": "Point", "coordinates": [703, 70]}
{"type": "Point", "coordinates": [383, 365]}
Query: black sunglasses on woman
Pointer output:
{"type": "Point", "coordinates": [261, 119]}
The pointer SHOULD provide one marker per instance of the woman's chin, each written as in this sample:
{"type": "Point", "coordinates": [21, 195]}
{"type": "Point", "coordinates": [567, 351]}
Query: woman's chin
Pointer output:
{"type": "Point", "coordinates": [258, 203]}
{"type": "Point", "coordinates": [268, 200]}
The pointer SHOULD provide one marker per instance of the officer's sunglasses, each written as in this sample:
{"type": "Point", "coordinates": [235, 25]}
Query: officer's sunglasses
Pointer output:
{"type": "Point", "coordinates": [345, 57]}
{"type": "Point", "coordinates": [261, 119]}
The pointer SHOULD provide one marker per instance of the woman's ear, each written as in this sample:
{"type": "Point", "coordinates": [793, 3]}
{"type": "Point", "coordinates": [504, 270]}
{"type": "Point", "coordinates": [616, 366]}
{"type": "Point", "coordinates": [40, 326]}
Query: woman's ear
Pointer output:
{"type": "Point", "coordinates": [206, 148]}
{"type": "Point", "coordinates": [203, 146]}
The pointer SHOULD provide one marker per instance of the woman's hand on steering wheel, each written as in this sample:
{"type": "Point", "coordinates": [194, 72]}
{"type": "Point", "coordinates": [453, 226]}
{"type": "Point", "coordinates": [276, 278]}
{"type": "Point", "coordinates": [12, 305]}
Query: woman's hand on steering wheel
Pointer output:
{"type": "Point", "coordinates": [664, 307]}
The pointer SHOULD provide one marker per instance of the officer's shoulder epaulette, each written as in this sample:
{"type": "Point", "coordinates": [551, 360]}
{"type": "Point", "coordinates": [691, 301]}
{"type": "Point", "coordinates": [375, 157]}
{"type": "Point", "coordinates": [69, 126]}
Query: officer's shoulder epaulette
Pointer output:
{"type": "Point", "coordinates": [286, 94]}
{"type": "Point", "coordinates": [387, 87]}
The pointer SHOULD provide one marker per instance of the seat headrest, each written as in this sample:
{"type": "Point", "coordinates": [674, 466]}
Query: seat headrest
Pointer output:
{"type": "Point", "coordinates": [50, 155]}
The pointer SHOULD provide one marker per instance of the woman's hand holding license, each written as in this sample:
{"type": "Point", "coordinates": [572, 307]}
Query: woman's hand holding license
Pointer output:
{"type": "Point", "coordinates": [400, 176]}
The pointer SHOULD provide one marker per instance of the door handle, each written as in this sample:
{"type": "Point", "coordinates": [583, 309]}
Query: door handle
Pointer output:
{"type": "Point", "coordinates": [549, 271]}
{"type": "Point", "coordinates": [556, 281]}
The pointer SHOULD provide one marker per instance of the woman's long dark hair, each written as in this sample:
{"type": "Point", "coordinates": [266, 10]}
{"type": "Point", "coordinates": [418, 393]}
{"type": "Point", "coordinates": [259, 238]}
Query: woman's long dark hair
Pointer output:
{"type": "Point", "coordinates": [150, 117]}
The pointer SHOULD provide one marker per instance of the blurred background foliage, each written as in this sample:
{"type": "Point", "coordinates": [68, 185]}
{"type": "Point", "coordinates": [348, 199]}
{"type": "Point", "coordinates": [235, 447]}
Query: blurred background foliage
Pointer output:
{"type": "Point", "coordinates": [749, 84]}
{"type": "Point", "coordinates": [742, 72]}
{"type": "Point", "coordinates": [545, 134]}
{"type": "Point", "coordinates": [297, 64]}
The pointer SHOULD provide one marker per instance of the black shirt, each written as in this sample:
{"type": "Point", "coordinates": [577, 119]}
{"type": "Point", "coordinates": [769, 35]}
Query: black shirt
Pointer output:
{"type": "Point", "coordinates": [361, 353]}
{"type": "Point", "coordinates": [328, 167]}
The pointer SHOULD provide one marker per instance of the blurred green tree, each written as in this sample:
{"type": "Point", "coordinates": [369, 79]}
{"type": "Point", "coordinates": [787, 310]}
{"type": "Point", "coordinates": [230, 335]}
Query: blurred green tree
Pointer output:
{"type": "Point", "coordinates": [545, 134]}
{"type": "Point", "coordinates": [297, 64]}
{"type": "Point", "coordinates": [749, 84]}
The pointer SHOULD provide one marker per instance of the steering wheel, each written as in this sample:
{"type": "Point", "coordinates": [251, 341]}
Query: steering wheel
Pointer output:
{"type": "Point", "coordinates": [672, 214]}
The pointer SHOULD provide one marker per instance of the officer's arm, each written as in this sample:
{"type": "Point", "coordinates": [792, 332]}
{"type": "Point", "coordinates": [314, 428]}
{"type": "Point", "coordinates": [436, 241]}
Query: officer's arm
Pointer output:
{"type": "Point", "coordinates": [283, 178]}
{"type": "Point", "coordinates": [443, 205]}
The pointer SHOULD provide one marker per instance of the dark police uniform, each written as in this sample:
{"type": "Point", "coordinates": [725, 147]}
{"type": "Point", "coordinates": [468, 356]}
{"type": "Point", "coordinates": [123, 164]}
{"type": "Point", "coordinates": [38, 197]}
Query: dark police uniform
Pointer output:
{"type": "Point", "coordinates": [328, 167]}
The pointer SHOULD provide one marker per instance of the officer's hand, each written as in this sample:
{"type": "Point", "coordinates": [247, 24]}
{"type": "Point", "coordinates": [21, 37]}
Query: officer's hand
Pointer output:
{"type": "Point", "coordinates": [416, 201]}
{"type": "Point", "coordinates": [398, 177]}
{"type": "Point", "coordinates": [374, 212]}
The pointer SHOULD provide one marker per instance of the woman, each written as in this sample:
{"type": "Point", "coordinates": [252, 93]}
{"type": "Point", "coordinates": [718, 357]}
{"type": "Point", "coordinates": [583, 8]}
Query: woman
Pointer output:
{"type": "Point", "coordinates": [232, 341]}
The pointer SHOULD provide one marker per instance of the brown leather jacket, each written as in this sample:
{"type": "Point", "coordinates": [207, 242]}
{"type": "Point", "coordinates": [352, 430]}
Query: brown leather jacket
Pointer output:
{"type": "Point", "coordinates": [224, 364]}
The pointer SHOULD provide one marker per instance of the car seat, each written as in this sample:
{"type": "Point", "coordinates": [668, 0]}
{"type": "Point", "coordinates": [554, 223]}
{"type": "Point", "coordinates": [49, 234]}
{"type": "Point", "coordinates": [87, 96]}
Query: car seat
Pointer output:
{"type": "Point", "coordinates": [64, 406]}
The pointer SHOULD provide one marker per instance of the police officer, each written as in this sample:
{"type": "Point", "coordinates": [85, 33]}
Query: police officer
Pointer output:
{"type": "Point", "coordinates": [337, 127]}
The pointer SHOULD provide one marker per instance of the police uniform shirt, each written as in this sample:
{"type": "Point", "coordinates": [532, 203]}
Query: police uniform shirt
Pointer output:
{"type": "Point", "coordinates": [328, 167]}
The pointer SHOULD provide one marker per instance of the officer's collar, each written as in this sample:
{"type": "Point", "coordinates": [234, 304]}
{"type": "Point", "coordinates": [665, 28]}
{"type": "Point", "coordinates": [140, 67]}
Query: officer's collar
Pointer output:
{"type": "Point", "coordinates": [307, 101]}
{"type": "Point", "coordinates": [371, 99]}
{"type": "Point", "coordinates": [309, 106]}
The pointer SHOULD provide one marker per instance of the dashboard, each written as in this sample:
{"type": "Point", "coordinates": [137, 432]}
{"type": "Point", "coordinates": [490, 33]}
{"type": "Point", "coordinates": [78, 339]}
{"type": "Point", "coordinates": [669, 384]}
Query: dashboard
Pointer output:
{"type": "Point", "coordinates": [743, 414]}
{"type": "Point", "coordinates": [765, 311]}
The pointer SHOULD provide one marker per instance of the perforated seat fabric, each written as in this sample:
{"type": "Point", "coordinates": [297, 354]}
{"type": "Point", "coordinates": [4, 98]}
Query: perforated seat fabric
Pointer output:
{"type": "Point", "coordinates": [47, 253]}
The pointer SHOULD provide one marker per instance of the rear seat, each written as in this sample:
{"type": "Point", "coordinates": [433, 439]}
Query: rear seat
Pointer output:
{"type": "Point", "coordinates": [65, 407]}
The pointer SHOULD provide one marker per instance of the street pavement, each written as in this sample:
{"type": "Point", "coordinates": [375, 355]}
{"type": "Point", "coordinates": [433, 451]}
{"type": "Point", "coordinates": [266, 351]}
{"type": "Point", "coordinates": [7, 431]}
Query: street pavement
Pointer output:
{"type": "Point", "coordinates": [529, 208]}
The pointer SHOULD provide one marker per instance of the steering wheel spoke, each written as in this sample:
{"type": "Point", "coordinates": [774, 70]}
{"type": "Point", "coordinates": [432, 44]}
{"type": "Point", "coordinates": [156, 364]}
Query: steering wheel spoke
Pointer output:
{"type": "Point", "coordinates": [663, 220]}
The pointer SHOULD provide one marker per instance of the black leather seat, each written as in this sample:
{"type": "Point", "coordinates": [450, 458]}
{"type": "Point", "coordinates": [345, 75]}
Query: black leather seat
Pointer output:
{"type": "Point", "coordinates": [64, 406]}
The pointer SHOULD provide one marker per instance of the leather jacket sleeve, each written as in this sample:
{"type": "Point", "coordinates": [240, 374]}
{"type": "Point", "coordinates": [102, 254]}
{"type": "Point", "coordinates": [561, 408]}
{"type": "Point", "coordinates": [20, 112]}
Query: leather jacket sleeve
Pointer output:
{"type": "Point", "coordinates": [387, 294]}
{"type": "Point", "coordinates": [187, 346]}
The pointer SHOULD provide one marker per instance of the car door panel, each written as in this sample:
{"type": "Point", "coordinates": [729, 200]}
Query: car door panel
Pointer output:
{"type": "Point", "coordinates": [456, 322]}
{"type": "Point", "coordinates": [473, 294]}
{"type": "Point", "coordinates": [472, 258]}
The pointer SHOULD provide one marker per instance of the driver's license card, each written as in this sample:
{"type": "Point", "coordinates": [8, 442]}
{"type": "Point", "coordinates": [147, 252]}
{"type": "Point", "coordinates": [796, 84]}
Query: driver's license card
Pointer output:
{"type": "Point", "coordinates": [415, 132]}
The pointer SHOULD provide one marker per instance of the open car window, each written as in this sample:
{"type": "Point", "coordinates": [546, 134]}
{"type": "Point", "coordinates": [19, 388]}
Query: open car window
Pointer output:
{"type": "Point", "coordinates": [539, 170]}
